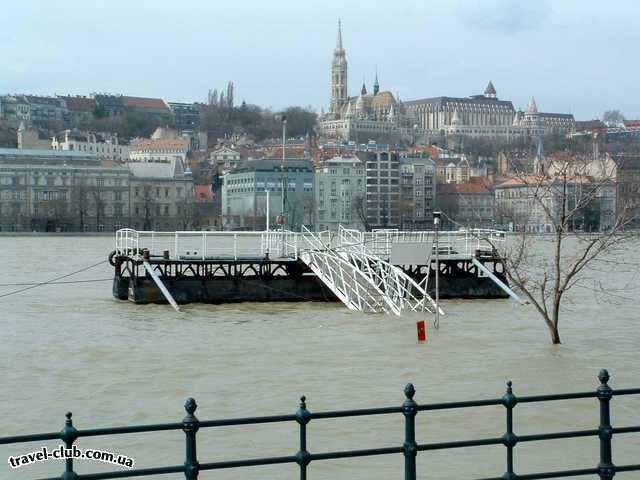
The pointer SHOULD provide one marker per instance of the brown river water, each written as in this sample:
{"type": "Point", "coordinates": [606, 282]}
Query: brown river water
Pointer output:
{"type": "Point", "coordinates": [74, 347]}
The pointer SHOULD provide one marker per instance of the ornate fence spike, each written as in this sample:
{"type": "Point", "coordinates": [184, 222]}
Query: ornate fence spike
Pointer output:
{"type": "Point", "coordinates": [509, 439]}
{"type": "Point", "coordinates": [409, 410]}
{"type": "Point", "coordinates": [302, 415]}
{"type": "Point", "coordinates": [303, 457]}
{"type": "Point", "coordinates": [190, 425]}
{"type": "Point", "coordinates": [409, 391]}
{"type": "Point", "coordinates": [509, 399]}
{"type": "Point", "coordinates": [606, 468]}
{"type": "Point", "coordinates": [69, 434]}
{"type": "Point", "coordinates": [190, 406]}
{"type": "Point", "coordinates": [603, 376]}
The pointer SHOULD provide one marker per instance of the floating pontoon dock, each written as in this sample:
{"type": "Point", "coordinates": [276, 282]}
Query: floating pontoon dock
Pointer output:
{"type": "Point", "coordinates": [384, 271]}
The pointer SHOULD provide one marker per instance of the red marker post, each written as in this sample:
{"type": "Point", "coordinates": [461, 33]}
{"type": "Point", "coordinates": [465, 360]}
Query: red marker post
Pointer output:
{"type": "Point", "coordinates": [422, 331]}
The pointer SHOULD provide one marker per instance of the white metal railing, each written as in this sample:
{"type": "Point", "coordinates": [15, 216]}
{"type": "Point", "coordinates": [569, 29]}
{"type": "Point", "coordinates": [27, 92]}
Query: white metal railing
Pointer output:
{"type": "Point", "coordinates": [188, 245]}
{"type": "Point", "coordinates": [459, 242]}
{"type": "Point", "coordinates": [203, 245]}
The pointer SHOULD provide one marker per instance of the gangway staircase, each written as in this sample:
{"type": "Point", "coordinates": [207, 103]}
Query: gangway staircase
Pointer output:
{"type": "Point", "coordinates": [363, 282]}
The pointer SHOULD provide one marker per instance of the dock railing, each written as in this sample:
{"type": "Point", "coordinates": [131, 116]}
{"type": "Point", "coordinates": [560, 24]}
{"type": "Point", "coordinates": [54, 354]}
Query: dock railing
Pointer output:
{"type": "Point", "coordinates": [457, 242]}
{"type": "Point", "coordinates": [204, 245]}
{"type": "Point", "coordinates": [602, 467]}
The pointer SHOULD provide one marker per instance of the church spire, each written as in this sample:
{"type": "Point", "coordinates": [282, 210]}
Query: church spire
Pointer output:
{"type": "Point", "coordinates": [363, 90]}
{"type": "Point", "coordinates": [338, 75]}
{"type": "Point", "coordinates": [376, 85]}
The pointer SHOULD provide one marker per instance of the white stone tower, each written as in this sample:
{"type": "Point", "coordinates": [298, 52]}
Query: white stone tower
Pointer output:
{"type": "Point", "coordinates": [338, 76]}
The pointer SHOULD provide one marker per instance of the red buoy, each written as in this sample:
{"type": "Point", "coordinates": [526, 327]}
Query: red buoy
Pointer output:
{"type": "Point", "coordinates": [422, 331]}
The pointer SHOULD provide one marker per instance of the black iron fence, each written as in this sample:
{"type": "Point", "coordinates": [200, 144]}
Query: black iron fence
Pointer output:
{"type": "Point", "coordinates": [603, 467]}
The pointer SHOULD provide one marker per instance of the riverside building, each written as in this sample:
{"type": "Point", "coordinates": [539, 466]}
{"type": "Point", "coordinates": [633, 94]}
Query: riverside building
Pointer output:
{"type": "Point", "coordinates": [244, 194]}
{"type": "Point", "coordinates": [48, 190]}
{"type": "Point", "coordinates": [340, 194]}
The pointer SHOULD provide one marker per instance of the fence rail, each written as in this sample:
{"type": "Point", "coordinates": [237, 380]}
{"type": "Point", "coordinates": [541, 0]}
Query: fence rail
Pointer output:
{"type": "Point", "coordinates": [603, 466]}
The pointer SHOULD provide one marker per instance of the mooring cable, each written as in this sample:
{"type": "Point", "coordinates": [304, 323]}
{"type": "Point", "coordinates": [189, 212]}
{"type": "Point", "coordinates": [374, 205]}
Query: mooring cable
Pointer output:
{"type": "Point", "coordinates": [66, 282]}
{"type": "Point", "coordinates": [51, 281]}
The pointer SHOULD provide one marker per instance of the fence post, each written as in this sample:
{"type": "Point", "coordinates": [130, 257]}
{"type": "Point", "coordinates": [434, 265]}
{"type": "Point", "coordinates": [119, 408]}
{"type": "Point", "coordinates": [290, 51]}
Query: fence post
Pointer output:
{"type": "Point", "coordinates": [409, 410]}
{"type": "Point", "coordinates": [235, 246]}
{"type": "Point", "coordinates": [509, 439]}
{"type": "Point", "coordinates": [606, 468]}
{"type": "Point", "coordinates": [303, 457]}
{"type": "Point", "coordinates": [68, 436]}
{"type": "Point", "coordinates": [190, 425]}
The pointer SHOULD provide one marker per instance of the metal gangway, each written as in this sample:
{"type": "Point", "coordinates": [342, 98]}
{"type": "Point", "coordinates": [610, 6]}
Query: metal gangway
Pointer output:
{"type": "Point", "coordinates": [362, 281]}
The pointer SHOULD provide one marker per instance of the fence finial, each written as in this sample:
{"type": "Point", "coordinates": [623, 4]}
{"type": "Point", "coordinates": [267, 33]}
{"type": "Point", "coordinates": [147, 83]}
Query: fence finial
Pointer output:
{"type": "Point", "coordinates": [603, 376]}
{"type": "Point", "coordinates": [69, 433]}
{"type": "Point", "coordinates": [190, 406]}
{"type": "Point", "coordinates": [509, 400]}
{"type": "Point", "coordinates": [409, 391]}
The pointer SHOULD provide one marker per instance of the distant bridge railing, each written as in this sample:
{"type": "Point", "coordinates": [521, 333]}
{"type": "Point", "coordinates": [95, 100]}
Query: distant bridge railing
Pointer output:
{"type": "Point", "coordinates": [603, 467]}
{"type": "Point", "coordinates": [204, 245]}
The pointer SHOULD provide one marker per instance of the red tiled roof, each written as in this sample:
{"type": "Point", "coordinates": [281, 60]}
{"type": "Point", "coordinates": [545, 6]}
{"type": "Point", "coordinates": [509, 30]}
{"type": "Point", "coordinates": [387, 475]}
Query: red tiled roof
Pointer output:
{"type": "Point", "coordinates": [150, 144]}
{"type": "Point", "coordinates": [432, 150]}
{"type": "Point", "coordinates": [631, 123]}
{"type": "Point", "coordinates": [203, 193]}
{"type": "Point", "coordinates": [141, 102]}
{"type": "Point", "coordinates": [469, 187]}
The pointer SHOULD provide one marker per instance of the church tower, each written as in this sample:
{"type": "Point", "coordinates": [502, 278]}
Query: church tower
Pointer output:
{"type": "Point", "coordinates": [338, 76]}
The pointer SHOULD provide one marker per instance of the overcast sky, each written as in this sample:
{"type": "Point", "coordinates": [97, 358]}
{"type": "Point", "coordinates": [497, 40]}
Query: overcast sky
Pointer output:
{"type": "Point", "coordinates": [577, 56]}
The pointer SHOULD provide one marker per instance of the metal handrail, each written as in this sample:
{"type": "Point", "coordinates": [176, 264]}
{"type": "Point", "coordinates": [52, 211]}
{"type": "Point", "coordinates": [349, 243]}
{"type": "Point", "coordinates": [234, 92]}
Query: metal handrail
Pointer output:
{"type": "Point", "coordinates": [201, 245]}
{"type": "Point", "coordinates": [410, 448]}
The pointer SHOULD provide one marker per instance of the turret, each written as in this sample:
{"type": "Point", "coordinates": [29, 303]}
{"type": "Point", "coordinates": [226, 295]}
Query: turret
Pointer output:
{"type": "Point", "coordinates": [490, 91]}
{"type": "Point", "coordinates": [363, 90]}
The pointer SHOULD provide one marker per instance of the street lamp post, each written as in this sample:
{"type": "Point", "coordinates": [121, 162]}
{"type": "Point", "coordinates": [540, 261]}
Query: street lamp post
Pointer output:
{"type": "Point", "coordinates": [267, 215]}
{"type": "Point", "coordinates": [284, 178]}
{"type": "Point", "coordinates": [284, 181]}
{"type": "Point", "coordinates": [436, 226]}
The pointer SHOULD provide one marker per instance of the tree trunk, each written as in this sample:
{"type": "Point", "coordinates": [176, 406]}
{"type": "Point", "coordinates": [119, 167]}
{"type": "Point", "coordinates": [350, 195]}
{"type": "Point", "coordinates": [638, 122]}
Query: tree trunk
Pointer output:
{"type": "Point", "coordinates": [555, 335]}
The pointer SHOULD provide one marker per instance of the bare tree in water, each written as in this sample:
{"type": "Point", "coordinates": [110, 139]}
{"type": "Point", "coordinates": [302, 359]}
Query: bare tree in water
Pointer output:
{"type": "Point", "coordinates": [566, 221]}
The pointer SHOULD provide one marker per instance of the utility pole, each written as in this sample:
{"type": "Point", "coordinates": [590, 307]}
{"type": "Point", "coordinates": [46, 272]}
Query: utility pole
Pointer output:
{"type": "Point", "coordinates": [436, 225]}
